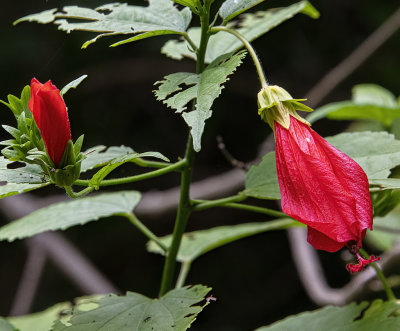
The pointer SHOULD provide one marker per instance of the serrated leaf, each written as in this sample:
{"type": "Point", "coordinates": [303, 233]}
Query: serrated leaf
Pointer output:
{"type": "Point", "coordinates": [262, 181]}
{"type": "Point", "coordinates": [115, 163]}
{"type": "Point", "coordinates": [61, 216]}
{"type": "Point", "coordinates": [197, 243]}
{"type": "Point", "coordinates": [6, 326]}
{"type": "Point", "coordinates": [385, 239]}
{"type": "Point", "coordinates": [118, 18]}
{"type": "Point", "coordinates": [232, 8]}
{"type": "Point", "coordinates": [375, 152]}
{"type": "Point", "coordinates": [176, 310]}
{"type": "Point", "coordinates": [251, 26]}
{"type": "Point", "coordinates": [206, 88]}
{"type": "Point", "coordinates": [379, 316]}
{"type": "Point", "coordinates": [72, 84]}
{"type": "Point", "coordinates": [100, 155]}
{"type": "Point", "coordinates": [43, 321]}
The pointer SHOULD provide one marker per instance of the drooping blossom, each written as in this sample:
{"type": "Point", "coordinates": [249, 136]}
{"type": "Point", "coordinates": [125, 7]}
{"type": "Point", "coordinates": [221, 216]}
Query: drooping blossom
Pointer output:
{"type": "Point", "coordinates": [50, 114]}
{"type": "Point", "coordinates": [320, 186]}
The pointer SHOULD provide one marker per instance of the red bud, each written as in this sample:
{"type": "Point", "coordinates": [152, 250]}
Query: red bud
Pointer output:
{"type": "Point", "coordinates": [50, 114]}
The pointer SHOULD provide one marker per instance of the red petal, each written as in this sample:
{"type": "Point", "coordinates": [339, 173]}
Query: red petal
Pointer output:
{"type": "Point", "coordinates": [321, 187]}
{"type": "Point", "coordinates": [50, 114]}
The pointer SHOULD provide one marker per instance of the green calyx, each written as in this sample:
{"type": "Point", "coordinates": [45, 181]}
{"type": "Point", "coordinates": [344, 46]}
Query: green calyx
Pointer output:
{"type": "Point", "coordinates": [69, 169]}
{"type": "Point", "coordinates": [276, 105]}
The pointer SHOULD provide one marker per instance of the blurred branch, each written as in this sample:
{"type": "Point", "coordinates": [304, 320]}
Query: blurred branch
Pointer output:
{"type": "Point", "coordinates": [354, 60]}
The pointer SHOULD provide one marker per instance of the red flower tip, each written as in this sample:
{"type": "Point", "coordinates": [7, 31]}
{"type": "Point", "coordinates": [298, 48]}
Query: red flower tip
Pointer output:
{"type": "Point", "coordinates": [352, 268]}
{"type": "Point", "coordinates": [50, 114]}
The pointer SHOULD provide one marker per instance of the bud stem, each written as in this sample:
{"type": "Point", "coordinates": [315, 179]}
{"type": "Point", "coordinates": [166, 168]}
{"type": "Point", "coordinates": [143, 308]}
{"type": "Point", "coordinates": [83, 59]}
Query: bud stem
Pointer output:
{"type": "Point", "coordinates": [250, 49]}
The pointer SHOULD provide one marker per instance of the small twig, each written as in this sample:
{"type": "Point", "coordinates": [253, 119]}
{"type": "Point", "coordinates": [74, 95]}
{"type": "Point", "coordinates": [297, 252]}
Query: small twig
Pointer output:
{"type": "Point", "coordinates": [234, 162]}
{"type": "Point", "coordinates": [29, 281]}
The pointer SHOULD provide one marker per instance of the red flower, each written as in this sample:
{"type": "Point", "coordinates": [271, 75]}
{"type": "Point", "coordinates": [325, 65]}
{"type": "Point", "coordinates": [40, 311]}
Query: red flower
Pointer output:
{"type": "Point", "coordinates": [50, 114]}
{"type": "Point", "coordinates": [322, 188]}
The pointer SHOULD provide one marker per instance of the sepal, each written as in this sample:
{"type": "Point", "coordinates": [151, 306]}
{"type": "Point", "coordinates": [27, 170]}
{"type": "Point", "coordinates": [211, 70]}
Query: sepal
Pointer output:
{"type": "Point", "coordinates": [275, 104]}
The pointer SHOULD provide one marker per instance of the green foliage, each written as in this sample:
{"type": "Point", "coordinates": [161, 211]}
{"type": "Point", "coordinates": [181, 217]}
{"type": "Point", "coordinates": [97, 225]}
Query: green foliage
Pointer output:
{"type": "Point", "coordinates": [206, 87]}
{"type": "Point", "coordinates": [63, 215]}
{"type": "Point", "coordinates": [386, 231]}
{"type": "Point", "coordinates": [99, 156]}
{"type": "Point", "coordinates": [231, 8]}
{"type": "Point", "coordinates": [43, 321]}
{"type": "Point", "coordinates": [251, 26]}
{"type": "Point", "coordinates": [158, 18]}
{"type": "Point", "coordinates": [379, 316]}
{"type": "Point", "coordinates": [262, 181]}
{"type": "Point", "coordinates": [10, 189]}
{"type": "Point", "coordinates": [375, 152]}
{"type": "Point", "coordinates": [197, 243]}
{"type": "Point", "coordinates": [176, 310]}
{"type": "Point", "coordinates": [73, 84]}
{"type": "Point", "coordinates": [6, 326]}
{"type": "Point", "coordinates": [369, 101]}
{"type": "Point", "coordinates": [115, 163]}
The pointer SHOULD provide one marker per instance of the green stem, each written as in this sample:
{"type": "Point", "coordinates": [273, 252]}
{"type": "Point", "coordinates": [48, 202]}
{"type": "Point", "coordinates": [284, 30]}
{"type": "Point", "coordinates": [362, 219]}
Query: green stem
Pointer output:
{"type": "Point", "coordinates": [125, 180]}
{"type": "Point", "coordinates": [255, 209]}
{"type": "Point", "coordinates": [202, 205]}
{"type": "Point", "coordinates": [250, 48]}
{"type": "Point", "coordinates": [389, 292]}
{"type": "Point", "coordinates": [183, 273]}
{"type": "Point", "coordinates": [184, 207]}
{"type": "Point", "coordinates": [142, 228]}
{"type": "Point", "coordinates": [150, 164]}
{"type": "Point", "coordinates": [191, 42]}
{"type": "Point", "coordinates": [76, 195]}
{"type": "Point", "coordinates": [182, 217]}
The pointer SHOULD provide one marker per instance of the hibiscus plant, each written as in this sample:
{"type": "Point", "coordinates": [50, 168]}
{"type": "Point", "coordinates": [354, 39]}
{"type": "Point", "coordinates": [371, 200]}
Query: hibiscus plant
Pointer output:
{"type": "Point", "coordinates": [335, 187]}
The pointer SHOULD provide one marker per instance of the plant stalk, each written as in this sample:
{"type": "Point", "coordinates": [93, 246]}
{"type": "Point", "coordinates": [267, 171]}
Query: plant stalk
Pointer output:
{"type": "Point", "coordinates": [185, 207]}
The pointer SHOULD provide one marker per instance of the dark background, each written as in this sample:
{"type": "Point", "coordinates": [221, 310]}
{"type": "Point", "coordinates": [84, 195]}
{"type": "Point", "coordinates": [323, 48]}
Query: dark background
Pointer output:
{"type": "Point", "coordinates": [254, 279]}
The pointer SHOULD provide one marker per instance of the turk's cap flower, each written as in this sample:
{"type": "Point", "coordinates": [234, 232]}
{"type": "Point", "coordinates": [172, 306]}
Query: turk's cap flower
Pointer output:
{"type": "Point", "coordinates": [275, 104]}
{"type": "Point", "coordinates": [321, 187]}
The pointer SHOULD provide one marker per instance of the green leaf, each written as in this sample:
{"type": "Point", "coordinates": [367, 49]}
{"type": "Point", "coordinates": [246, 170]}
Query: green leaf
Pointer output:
{"type": "Point", "coordinates": [192, 4]}
{"type": "Point", "coordinates": [103, 172]}
{"type": "Point", "coordinates": [369, 101]}
{"type": "Point", "coordinates": [386, 231]}
{"type": "Point", "coordinates": [28, 173]}
{"type": "Point", "coordinates": [73, 84]}
{"type": "Point", "coordinates": [371, 94]}
{"type": "Point", "coordinates": [176, 310]}
{"type": "Point", "coordinates": [232, 8]}
{"type": "Point", "coordinates": [379, 316]}
{"type": "Point", "coordinates": [6, 326]}
{"type": "Point", "coordinates": [375, 152]}
{"type": "Point", "coordinates": [251, 26]}
{"type": "Point", "coordinates": [118, 18]}
{"type": "Point", "coordinates": [43, 321]}
{"type": "Point", "coordinates": [63, 215]}
{"type": "Point", "coordinates": [100, 155]}
{"type": "Point", "coordinates": [195, 244]}
{"type": "Point", "coordinates": [10, 189]}
{"type": "Point", "coordinates": [206, 88]}
{"type": "Point", "coordinates": [262, 181]}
